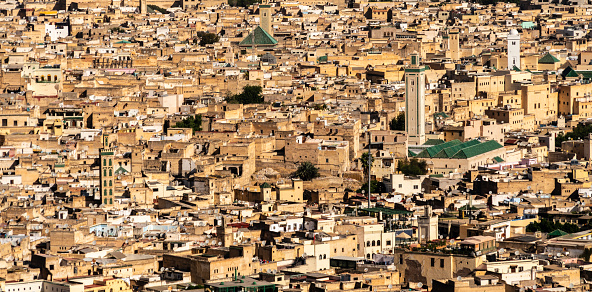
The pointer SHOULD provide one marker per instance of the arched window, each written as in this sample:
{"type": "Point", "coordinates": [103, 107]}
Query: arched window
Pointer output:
{"type": "Point", "coordinates": [105, 183]}
{"type": "Point", "coordinates": [373, 243]}
{"type": "Point", "coordinates": [378, 242]}
{"type": "Point", "coordinates": [110, 192]}
{"type": "Point", "coordinates": [105, 193]}
{"type": "Point", "coordinates": [368, 243]}
{"type": "Point", "coordinates": [105, 162]}
{"type": "Point", "coordinates": [110, 162]}
{"type": "Point", "coordinates": [110, 201]}
{"type": "Point", "coordinates": [55, 78]}
{"type": "Point", "coordinates": [110, 183]}
{"type": "Point", "coordinates": [110, 172]}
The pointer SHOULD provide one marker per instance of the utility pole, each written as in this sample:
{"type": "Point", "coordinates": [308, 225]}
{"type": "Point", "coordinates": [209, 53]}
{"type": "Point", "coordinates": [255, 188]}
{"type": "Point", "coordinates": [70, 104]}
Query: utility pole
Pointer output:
{"type": "Point", "coordinates": [369, 165]}
{"type": "Point", "coordinates": [470, 208]}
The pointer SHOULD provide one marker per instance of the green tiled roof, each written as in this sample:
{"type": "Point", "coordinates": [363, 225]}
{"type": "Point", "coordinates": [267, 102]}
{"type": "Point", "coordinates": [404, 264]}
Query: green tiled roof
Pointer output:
{"type": "Point", "coordinates": [570, 72]}
{"type": "Point", "coordinates": [441, 114]}
{"type": "Point", "coordinates": [410, 154]}
{"type": "Point", "coordinates": [477, 149]}
{"type": "Point", "coordinates": [262, 38]}
{"type": "Point", "coordinates": [557, 233]}
{"type": "Point", "coordinates": [516, 69]}
{"type": "Point", "coordinates": [450, 151]}
{"type": "Point", "coordinates": [430, 152]}
{"type": "Point", "coordinates": [432, 142]}
{"type": "Point", "coordinates": [548, 59]}
{"type": "Point", "coordinates": [120, 170]}
{"type": "Point", "coordinates": [498, 159]}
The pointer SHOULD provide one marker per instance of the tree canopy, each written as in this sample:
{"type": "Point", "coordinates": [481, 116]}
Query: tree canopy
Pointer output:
{"type": "Point", "coordinates": [398, 123]}
{"type": "Point", "coordinates": [251, 94]}
{"type": "Point", "coordinates": [548, 226]}
{"type": "Point", "coordinates": [242, 3]}
{"type": "Point", "coordinates": [581, 131]}
{"type": "Point", "coordinates": [158, 8]}
{"type": "Point", "coordinates": [365, 159]}
{"type": "Point", "coordinates": [193, 122]}
{"type": "Point", "coordinates": [413, 167]}
{"type": "Point", "coordinates": [306, 171]}
{"type": "Point", "coordinates": [375, 187]}
{"type": "Point", "coordinates": [206, 38]}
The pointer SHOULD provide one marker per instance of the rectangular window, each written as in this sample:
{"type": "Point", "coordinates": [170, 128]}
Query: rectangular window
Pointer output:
{"type": "Point", "coordinates": [441, 263]}
{"type": "Point", "coordinates": [432, 261]}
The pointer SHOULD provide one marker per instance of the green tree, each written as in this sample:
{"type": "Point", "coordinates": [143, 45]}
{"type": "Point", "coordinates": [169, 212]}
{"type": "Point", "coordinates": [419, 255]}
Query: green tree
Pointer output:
{"type": "Point", "coordinates": [365, 159]}
{"type": "Point", "coordinates": [547, 226]}
{"type": "Point", "coordinates": [251, 94]}
{"type": "Point", "coordinates": [398, 123]}
{"type": "Point", "coordinates": [242, 3]}
{"type": "Point", "coordinates": [193, 122]}
{"type": "Point", "coordinates": [375, 187]}
{"type": "Point", "coordinates": [158, 8]}
{"type": "Point", "coordinates": [207, 38]}
{"type": "Point", "coordinates": [413, 167]}
{"type": "Point", "coordinates": [581, 131]}
{"type": "Point", "coordinates": [306, 171]}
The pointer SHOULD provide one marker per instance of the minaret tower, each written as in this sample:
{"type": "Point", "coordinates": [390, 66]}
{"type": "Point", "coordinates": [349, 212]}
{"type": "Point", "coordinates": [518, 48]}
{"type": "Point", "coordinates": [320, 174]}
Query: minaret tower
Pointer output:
{"type": "Point", "coordinates": [513, 49]}
{"type": "Point", "coordinates": [415, 101]}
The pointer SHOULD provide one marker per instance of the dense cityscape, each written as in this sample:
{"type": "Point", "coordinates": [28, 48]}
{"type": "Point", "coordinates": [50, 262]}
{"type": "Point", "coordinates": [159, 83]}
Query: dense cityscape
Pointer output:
{"type": "Point", "coordinates": [295, 146]}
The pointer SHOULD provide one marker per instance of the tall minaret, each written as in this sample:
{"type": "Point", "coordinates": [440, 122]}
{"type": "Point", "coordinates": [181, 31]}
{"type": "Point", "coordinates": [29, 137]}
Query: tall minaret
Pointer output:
{"type": "Point", "coordinates": [415, 101]}
{"type": "Point", "coordinates": [143, 7]}
{"type": "Point", "coordinates": [107, 182]}
{"type": "Point", "coordinates": [513, 49]}
{"type": "Point", "coordinates": [454, 45]}
{"type": "Point", "coordinates": [266, 17]}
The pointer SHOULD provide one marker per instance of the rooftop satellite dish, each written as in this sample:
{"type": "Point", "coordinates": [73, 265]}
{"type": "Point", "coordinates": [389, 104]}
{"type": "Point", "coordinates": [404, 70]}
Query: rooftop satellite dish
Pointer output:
{"type": "Point", "coordinates": [390, 286]}
{"type": "Point", "coordinates": [419, 285]}
{"type": "Point", "coordinates": [571, 285]}
{"type": "Point", "coordinates": [459, 278]}
{"type": "Point", "coordinates": [219, 243]}
{"type": "Point", "coordinates": [162, 269]}
{"type": "Point", "coordinates": [365, 270]}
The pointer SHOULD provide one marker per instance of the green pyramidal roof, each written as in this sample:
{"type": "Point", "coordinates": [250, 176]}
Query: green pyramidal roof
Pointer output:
{"type": "Point", "coordinates": [432, 142]}
{"type": "Point", "coordinates": [430, 152]}
{"type": "Point", "coordinates": [477, 149]}
{"type": "Point", "coordinates": [258, 37]}
{"type": "Point", "coordinates": [548, 59]}
{"type": "Point", "coordinates": [450, 151]}
{"type": "Point", "coordinates": [557, 233]}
